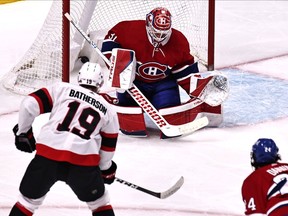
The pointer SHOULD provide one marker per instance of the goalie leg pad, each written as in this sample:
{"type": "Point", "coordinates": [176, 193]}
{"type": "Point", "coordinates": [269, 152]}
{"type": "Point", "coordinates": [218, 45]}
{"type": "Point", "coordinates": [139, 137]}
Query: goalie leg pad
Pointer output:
{"type": "Point", "coordinates": [183, 113]}
{"type": "Point", "coordinates": [191, 110]}
{"type": "Point", "coordinates": [213, 113]}
{"type": "Point", "coordinates": [132, 124]}
{"type": "Point", "coordinates": [212, 109]}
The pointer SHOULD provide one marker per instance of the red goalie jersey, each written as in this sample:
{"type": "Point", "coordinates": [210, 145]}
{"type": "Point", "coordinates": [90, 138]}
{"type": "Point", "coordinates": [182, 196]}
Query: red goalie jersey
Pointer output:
{"type": "Point", "coordinates": [153, 63]}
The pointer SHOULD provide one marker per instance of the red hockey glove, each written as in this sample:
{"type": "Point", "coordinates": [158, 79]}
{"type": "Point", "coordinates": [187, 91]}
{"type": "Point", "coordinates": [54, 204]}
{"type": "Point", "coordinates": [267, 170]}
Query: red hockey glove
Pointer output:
{"type": "Point", "coordinates": [25, 141]}
{"type": "Point", "coordinates": [109, 174]}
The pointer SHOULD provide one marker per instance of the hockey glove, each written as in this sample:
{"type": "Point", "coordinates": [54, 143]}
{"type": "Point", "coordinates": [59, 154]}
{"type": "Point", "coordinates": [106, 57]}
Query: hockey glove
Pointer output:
{"type": "Point", "coordinates": [109, 174]}
{"type": "Point", "coordinates": [25, 141]}
{"type": "Point", "coordinates": [221, 82]}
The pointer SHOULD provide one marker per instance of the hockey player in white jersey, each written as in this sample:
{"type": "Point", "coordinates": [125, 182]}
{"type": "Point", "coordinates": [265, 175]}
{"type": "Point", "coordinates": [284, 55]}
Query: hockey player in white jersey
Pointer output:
{"type": "Point", "coordinates": [76, 145]}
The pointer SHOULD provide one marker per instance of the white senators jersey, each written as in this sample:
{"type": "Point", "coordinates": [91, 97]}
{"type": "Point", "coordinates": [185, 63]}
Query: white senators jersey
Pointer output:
{"type": "Point", "coordinates": [82, 128]}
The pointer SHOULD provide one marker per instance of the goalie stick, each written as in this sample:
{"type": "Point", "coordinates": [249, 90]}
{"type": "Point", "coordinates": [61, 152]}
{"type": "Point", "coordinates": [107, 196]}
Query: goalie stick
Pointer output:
{"type": "Point", "coordinates": [166, 128]}
{"type": "Point", "coordinates": [161, 195]}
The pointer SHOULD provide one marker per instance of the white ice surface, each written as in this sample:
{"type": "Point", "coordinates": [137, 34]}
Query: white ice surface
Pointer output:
{"type": "Point", "coordinates": [213, 161]}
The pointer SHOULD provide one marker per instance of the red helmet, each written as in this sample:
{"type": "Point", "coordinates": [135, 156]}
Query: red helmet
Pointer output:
{"type": "Point", "coordinates": [158, 25]}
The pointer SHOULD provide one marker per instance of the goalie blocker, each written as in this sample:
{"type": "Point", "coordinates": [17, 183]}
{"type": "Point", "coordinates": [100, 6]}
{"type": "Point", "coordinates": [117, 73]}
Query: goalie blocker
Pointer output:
{"type": "Point", "coordinates": [122, 69]}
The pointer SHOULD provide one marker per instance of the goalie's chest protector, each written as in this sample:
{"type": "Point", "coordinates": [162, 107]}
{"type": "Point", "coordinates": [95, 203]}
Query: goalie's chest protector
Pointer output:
{"type": "Point", "coordinates": [153, 64]}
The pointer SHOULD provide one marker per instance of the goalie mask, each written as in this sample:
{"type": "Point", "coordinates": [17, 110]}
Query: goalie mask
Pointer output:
{"type": "Point", "coordinates": [91, 74]}
{"type": "Point", "coordinates": [158, 26]}
{"type": "Point", "coordinates": [264, 152]}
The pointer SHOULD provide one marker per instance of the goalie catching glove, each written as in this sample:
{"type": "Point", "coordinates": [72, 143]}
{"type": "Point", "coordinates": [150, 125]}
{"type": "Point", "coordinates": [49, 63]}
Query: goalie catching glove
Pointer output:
{"type": "Point", "coordinates": [25, 141]}
{"type": "Point", "coordinates": [216, 91]}
{"type": "Point", "coordinates": [109, 174]}
{"type": "Point", "coordinates": [212, 87]}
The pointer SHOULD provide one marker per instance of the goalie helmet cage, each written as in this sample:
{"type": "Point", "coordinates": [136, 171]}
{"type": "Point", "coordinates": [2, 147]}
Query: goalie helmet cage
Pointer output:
{"type": "Point", "coordinates": [56, 48]}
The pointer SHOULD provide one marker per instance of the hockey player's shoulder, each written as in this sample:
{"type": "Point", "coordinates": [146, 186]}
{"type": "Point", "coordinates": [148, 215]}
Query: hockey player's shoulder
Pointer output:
{"type": "Point", "coordinates": [57, 86]}
{"type": "Point", "coordinates": [68, 88]}
{"type": "Point", "coordinates": [131, 22]}
{"type": "Point", "coordinates": [178, 36]}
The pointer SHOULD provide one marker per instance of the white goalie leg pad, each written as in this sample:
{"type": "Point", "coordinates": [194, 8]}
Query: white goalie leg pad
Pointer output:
{"type": "Point", "coordinates": [131, 121]}
{"type": "Point", "coordinates": [181, 108]}
{"type": "Point", "coordinates": [30, 204]}
{"type": "Point", "coordinates": [191, 110]}
{"type": "Point", "coordinates": [182, 114]}
{"type": "Point", "coordinates": [122, 69]}
{"type": "Point", "coordinates": [215, 119]}
{"type": "Point", "coordinates": [102, 201]}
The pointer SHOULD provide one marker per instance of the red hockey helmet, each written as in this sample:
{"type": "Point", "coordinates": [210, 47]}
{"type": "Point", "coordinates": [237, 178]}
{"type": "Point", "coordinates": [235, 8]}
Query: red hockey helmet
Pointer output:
{"type": "Point", "coordinates": [158, 25]}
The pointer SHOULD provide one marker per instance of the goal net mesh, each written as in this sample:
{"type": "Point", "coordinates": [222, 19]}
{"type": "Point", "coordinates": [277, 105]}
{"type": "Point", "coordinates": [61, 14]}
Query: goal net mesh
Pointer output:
{"type": "Point", "coordinates": [42, 63]}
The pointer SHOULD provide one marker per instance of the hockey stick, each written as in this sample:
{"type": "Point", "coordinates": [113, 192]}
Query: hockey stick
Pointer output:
{"type": "Point", "coordinates": [161, 195]}
{"type": "Point", "coordinates": [144, 103]}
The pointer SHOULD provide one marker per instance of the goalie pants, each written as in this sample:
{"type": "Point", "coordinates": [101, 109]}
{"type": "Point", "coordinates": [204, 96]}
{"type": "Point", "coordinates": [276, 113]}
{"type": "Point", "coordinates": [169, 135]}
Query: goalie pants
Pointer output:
{"type": "Point", "coordinates": [161, 94]}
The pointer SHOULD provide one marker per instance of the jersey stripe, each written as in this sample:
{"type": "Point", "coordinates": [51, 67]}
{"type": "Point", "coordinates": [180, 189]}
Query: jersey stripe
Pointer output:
{"type": "Point", "coordinates": [109, 141]}
{"type": "Point", "coordinates": [68, 156]}
{"type": "Point", "coordinates": [44, 100]}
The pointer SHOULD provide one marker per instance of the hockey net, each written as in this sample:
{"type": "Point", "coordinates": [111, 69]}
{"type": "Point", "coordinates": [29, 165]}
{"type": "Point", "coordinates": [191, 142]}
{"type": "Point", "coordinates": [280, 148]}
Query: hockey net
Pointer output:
{"type": "Point", "coordinates": [47, 61]}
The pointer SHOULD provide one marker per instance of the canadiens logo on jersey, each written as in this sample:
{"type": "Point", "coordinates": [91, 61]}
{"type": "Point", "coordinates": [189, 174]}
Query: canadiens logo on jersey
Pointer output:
{"type": "Point", "coordinates": [152, 71]}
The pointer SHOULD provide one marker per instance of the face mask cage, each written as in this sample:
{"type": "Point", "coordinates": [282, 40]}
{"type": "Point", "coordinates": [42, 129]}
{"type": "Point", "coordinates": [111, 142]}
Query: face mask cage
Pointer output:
{"type": "Point", "coordinates": [158, 35]}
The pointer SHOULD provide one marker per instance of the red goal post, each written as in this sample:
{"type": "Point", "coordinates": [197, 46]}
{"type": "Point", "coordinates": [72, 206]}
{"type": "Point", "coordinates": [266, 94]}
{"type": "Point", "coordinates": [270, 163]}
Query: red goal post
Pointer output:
{"type": "Point", "coordinates": [56, 48]}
